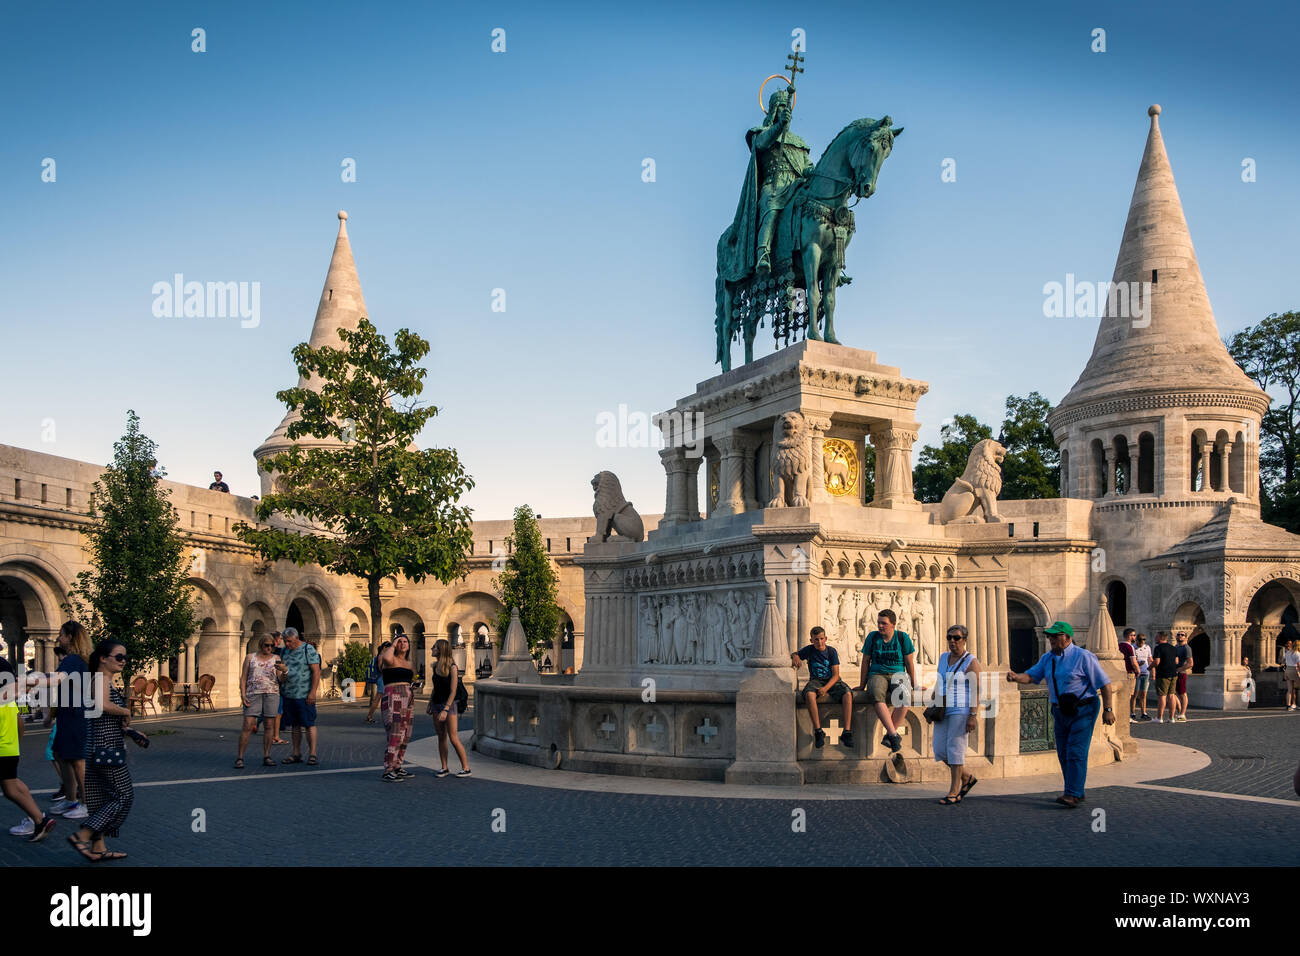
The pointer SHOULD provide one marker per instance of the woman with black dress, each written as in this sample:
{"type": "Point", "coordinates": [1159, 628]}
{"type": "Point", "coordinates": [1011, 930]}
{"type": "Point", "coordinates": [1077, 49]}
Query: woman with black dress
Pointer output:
{"type": "Point", "coordinates": [108, 781]}
{"type": "Point", "coordinates": [443, 705]}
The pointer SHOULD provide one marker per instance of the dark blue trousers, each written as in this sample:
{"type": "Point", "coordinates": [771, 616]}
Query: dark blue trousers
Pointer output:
{"type": "Point", "coordinates": [1073, 735]}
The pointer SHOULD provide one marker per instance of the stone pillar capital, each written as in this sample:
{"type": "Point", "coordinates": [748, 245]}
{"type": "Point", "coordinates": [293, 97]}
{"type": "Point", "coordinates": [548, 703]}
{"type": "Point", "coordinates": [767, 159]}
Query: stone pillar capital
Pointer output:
{"type": "Point", "coordinates": [893, 441]}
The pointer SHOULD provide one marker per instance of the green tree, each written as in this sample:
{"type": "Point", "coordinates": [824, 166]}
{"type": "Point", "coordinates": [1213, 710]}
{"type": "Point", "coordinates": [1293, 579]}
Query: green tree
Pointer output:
{"type": "Point", "coordinates": [937, 467]}
{"type": "Point", "coordinates": [379, 506]}
{"type": "Point", "coordinates": [1270, 354]}
{"type": "Point", "coordinates": [136, 590]}
{"type": "Point", "coordinates": [528, 582]}
{"type": "Point", "coordinates": [1032, 468]}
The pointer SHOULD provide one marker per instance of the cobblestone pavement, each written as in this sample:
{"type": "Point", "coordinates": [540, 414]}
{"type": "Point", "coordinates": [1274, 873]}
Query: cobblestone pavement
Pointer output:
{"type": "Point", "coordinates": [341, 813]}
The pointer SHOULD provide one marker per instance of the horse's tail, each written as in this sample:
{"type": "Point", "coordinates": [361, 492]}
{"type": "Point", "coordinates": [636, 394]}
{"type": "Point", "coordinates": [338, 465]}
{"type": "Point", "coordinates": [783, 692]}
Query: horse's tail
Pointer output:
{"type": "Point", "coordinates": [720, 317]}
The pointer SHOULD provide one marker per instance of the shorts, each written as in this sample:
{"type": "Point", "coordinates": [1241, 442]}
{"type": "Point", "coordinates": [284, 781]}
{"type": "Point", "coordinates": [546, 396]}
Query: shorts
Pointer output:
{"type": "Point", "coordinates": [816, 686]}
{"type": "Point", "coordinates": [950, 739]}
{"type": "Point", "coordinates": [262, 705]}
{"type": "Point", "coordinates": [885, 689]}
{"type": "Point", "coordinates": [8, 768]}
{"type": "Point", "coordinates": [1165, 686]}
{"type": "Point", "coordinates": [298, 713]}
{"type": "Point", "coordinates": [1291, 675]}
{"type": "Point", "coordinates": [1143, 682]}
{"type": "Point", "coordinates": [1182, 683]}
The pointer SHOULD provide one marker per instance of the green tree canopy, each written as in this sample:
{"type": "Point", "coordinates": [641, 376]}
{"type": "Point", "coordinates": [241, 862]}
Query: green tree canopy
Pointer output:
{"type": "Point", "coordinates": [1270, 354]}
{"type": "Point", "coordinates": [136, 590]}
{"type": "Point", "coordinates": [378, 506]}
{"type": "Point", "coordinates": [1032, 468]}
{"type": "Point", "coordinates": [528, 582]}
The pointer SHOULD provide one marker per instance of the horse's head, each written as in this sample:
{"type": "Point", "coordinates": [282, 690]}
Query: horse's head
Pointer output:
{"type": "Point", "coordinates": [874, 142]}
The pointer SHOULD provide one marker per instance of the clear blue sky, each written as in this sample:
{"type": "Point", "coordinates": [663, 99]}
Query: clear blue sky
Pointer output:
{"type": "Point", "coordinates": [522, 171]}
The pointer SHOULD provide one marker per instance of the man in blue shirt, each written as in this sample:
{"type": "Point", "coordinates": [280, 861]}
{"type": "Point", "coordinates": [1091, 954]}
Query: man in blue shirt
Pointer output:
{"type": "Point", "coordinates": [1074, 676]}
{"type": "Point", "coordinates": [823, 683]}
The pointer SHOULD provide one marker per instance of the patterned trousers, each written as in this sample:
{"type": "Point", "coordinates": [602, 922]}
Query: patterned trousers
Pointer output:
{"type": "Point", "coordinates": [109, 796]}
{"type": "Point", "coordinates": [398, 718]}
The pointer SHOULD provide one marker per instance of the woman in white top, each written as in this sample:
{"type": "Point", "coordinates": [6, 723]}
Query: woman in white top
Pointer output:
{"type": "Point", "coordinates": [1291, 672]}
{"type": "Point", "coordinates": [958, 682]}
{"type": "Point", "coordinates": [259, 692]}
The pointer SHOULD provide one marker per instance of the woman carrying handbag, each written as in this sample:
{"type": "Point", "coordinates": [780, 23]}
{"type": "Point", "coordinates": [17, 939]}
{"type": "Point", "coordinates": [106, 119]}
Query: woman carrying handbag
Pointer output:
{"type": "Point", "coordinates": [952, 714]}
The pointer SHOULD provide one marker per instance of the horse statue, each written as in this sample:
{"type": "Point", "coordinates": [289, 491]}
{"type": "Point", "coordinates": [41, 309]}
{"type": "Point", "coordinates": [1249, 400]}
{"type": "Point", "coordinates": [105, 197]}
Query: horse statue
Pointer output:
{"type": "Point", "coordinates": [812, 232]}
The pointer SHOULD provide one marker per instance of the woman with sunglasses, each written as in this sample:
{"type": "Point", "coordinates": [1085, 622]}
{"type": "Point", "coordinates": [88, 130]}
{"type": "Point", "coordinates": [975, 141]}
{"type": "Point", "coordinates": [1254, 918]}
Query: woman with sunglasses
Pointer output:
{"type": "Point", "coordinates": [956, 689]}
{"type": "Point", "coordinates": [108, 782]}
{"type": "Point", "coordinates": [259, 692]}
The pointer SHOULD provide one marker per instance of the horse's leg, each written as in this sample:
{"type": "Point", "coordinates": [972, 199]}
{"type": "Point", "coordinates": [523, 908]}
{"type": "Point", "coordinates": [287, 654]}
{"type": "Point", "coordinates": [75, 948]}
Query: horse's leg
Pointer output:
{"type": "Point", "coordinates": [811, 266]}
{"type": "Point", "coordinates": [828, 297]}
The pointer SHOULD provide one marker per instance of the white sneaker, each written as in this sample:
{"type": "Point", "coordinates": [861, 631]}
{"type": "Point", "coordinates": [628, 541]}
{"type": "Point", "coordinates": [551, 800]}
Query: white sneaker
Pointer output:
{"type": "Point", "coordinates": [77, 811]}
{"type": "Point", "coordinates": [1160, 720]}
{"type": "Point", "coordinates": [26, 828]}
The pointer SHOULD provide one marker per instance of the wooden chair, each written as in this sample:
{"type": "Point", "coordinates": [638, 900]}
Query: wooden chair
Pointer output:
{"type": "Point", "coordinates": [166, 693]}
{"type": "Point", "coordinates": [206, 683]}
{"type": "Point", "coordinates": [136, 699]}
{"type": "Point", "coordinates": [150, 689]}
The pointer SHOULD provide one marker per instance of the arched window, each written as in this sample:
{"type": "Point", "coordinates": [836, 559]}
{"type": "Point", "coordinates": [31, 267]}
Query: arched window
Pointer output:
{"type": "Point", "coordinates": [1146, 471]}
{"type": "Point", "coordinates": [1200, 645]}
{"type": "Point", "coordinates": [1098, 483]}
{"type": "Point", "coordinates": [1237, 464]}
{"type": "Point", "coordinates": [1119, 446]}
{"type": "Point", "coordinates": [1117, 602]}
{"type": "Point", "coordinates": [1022, 636]}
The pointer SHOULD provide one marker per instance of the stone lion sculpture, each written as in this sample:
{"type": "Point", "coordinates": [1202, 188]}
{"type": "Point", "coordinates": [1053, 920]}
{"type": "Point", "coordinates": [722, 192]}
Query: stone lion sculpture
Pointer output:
{"type": "Point", "coordinates": [614, 513]}
{"type": "Point", "coordinates": [973, 498]}
{"type": "Point", "coordinates": [791, 462]}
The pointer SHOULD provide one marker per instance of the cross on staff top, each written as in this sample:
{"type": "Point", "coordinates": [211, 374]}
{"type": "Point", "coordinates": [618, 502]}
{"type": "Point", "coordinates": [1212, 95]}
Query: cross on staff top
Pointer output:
{"type": "Point", "coordinates": [793, 66]}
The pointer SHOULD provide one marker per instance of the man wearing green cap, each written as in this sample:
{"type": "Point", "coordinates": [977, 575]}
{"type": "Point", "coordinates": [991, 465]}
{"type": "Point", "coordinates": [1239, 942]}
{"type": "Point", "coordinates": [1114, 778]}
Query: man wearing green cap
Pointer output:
{"type": "Point", "coordinates": [1074, 677]}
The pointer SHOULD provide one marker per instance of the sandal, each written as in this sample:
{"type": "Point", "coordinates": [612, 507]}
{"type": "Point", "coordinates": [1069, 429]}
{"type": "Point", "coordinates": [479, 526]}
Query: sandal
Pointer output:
{"type": "Point", "coordinates": [239, 763]}
{"type": "Point", "coordinates": [312, 761]}
{"type": "Point", "coordinates": [268, 762]}
{"type": "Point", "coordinates": [83, 847]}
{"type": "Point", "coordinates": [109, 855]}
{"type": "Point", "coordinates": [292, 759]}
{"type": "Point", "coordinates": [951, 801]}
{"type": "Point", "coordinates": [966, 786]}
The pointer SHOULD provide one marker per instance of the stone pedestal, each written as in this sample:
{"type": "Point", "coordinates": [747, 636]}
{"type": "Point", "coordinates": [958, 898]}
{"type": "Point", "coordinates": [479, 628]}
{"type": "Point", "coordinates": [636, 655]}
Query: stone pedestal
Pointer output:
{"type": "Point", "coordinates": [765, 710]}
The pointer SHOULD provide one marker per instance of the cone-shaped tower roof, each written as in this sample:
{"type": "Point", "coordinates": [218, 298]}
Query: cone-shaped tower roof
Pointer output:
{"type": "Point", "coordinates": [342, 306]}
{"type": "Point", "coordinates": [1176, 344]}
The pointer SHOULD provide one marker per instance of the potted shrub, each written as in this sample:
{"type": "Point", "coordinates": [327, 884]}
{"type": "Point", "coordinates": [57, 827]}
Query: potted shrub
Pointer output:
{"type": "Point", "coordinates": [353, 663]}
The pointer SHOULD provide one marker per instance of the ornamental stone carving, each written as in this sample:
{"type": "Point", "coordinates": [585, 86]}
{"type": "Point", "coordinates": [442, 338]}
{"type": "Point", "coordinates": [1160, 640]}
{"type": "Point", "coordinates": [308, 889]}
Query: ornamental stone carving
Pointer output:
{"type": "Point", "coordinates": [697, 628]}
{"type": "Point", "coordinates": [791, 462]}
{"type": "Point", "coordinates": [614, 513]}
{"type": "Point", "coordinates": [973, 498]}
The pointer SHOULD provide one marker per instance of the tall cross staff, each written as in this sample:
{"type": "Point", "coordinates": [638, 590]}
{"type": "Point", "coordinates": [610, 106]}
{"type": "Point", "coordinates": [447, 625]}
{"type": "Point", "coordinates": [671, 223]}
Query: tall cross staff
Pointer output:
{"type": "Point", "coordinates": [793, 66]}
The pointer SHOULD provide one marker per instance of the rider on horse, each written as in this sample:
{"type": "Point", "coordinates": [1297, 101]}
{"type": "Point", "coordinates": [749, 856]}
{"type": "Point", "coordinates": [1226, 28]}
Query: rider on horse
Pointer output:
{"type": "Point", "coordinates": [778, 158]}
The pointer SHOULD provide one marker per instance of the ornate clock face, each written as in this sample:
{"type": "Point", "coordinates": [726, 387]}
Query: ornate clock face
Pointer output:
{"type": "Point", "coordinates": [840, 466]}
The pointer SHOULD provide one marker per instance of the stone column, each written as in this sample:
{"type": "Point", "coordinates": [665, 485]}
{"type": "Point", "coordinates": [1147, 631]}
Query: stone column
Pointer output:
{"type": "Point", "coordinates": [674, 462]}
{"type": "Point", "coordinates": [893, 443]}
{"type": "Point", "coordinates": [1109, 452]}
{"type": "Point", "coordinates": [1135, 469]}
{"type": "Point", "coordinates": [817, 428]}
{"type": "Point", "coordinates": [731, 492]}
{"type": "Point", "coordinates": [748, 491]}
{"type": "Point", "coordinates": [46, 640]}
{"type": "Point", "coordinates": [691, 476]}
{"type": "Point", "coordinates": [191, 659]}
{"type": "Point", "coordinates": [1003, 657]}
{"type": "Point", "coordinates": [1225, 454]}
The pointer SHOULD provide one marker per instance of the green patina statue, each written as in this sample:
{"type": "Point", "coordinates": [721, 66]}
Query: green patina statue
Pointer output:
{"type": "Point", "coordinates": [783, 255]}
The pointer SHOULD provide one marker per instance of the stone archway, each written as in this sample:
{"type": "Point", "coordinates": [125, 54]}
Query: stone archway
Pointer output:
{"type": "Point", "coordinates": [1027, 615]}
{"type": "Point", "coordinates": [462, 616]}
{"type": "Point", "coordinates": [30, 613]}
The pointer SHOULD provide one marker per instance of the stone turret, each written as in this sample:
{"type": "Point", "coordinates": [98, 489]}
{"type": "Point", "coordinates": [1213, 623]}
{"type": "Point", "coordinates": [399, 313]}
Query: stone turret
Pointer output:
{"type": "Point", "coordinates": [342, 306]}
{"type": "Point", "coordinates": [1161, 409]}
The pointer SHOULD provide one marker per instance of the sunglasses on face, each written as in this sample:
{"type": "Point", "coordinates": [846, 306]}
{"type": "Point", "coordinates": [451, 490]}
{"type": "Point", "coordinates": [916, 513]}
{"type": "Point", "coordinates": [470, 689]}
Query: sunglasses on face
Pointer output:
{"type": "Point", "coordinates": [120, 658]}
{"type": "Point", "coordinates": [955, 637]}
